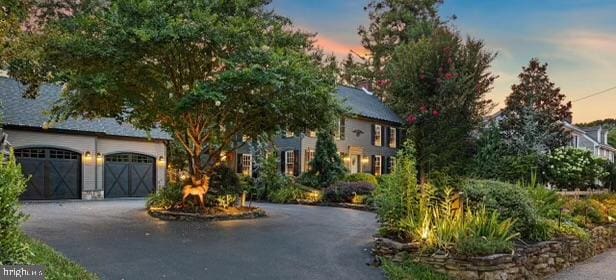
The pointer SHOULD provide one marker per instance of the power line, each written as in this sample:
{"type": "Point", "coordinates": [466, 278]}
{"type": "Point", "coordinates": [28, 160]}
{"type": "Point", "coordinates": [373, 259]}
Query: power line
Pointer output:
{"type": "Point", "coordinates": [594, 94]}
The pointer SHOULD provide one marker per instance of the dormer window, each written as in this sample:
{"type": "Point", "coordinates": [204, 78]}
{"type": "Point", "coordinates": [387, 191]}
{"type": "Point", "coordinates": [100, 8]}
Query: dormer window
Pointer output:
{"type": "Point", "coordinates": [289, 134]}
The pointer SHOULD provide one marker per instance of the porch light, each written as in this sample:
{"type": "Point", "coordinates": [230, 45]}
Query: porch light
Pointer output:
{"type": "Point", "coordinates": [99, 156]}
{"type": "Point", "coordinates": [87, 155]}
{"type": "Point", "coordinates": [364, 160]}
{"type": "Point", "coordinates": [161, 159]}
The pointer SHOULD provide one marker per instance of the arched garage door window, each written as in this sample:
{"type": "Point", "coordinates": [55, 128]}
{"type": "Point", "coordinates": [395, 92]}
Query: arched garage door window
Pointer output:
{"type": "Point", "coordinates": [129, 175]}
{"type": "Point", "coordinates": [55, 173]}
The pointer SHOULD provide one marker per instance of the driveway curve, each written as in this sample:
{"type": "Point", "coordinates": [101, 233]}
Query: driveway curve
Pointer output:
{"type": "Point", "coordinates": [116, 239]}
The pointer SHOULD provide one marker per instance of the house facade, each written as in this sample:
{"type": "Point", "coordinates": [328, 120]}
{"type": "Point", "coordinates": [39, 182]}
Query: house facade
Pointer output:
{"type": "Point", "coordinates": [77, 158]}
{"type": "Point", "coordinates": [593, 139]}
{"type": "Point", "coordinates": [367, 139]}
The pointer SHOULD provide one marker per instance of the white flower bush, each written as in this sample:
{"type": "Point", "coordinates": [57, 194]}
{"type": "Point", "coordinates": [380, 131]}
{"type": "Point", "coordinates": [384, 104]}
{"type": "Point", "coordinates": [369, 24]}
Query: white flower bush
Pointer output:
{"type": "Point", "coordinates": [572, 168]}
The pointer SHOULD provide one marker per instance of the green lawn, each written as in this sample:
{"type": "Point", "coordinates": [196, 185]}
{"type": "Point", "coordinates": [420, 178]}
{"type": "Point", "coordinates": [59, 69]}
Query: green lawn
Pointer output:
{"type": "Point", "coordinates": [56, 265]}
{"type": "Point", "coordinates": [410, 271]}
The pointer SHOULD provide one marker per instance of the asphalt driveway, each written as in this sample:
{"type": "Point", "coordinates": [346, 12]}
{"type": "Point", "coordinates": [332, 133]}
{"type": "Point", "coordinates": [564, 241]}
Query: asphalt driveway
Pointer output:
{"type": "Point", "coordinates": [116, 239]}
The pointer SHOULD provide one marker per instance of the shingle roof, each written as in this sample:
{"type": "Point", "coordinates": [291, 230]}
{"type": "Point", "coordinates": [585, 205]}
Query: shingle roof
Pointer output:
{"type": "Point", "coordinates": [366, 105]}
{"type": "Point", "coordinates": [19, 111]}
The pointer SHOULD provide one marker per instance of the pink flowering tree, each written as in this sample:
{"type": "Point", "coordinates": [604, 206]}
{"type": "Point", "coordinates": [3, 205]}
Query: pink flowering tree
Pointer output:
{"type": "Point", "coordinates": [439, 84]}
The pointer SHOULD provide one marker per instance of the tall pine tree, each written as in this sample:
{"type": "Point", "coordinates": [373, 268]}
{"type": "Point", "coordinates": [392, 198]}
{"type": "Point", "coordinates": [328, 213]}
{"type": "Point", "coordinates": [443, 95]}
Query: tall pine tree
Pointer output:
{"type": "Point", "coordinates": [534, 111]}
{"type": "Point", "coordinates": [393, 23]}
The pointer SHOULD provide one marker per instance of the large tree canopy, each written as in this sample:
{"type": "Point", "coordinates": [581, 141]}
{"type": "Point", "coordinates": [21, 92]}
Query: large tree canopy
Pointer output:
{"type": "Point", "coordinates": [206, 71]}
{"type": "Point", "coordinates": [534, 111]}
{"type": "Point", "coordinates": [440, 83]}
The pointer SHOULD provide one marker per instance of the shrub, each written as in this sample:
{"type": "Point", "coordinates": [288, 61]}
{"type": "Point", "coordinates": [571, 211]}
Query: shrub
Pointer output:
{"type": "Point", "coordinates": [13, 249]}
{"type": "Point", "coordinates": [509, 200]}
{"type": "Point", "coordinates": [571, 168]}
{"type": "Point", "coordinates": [587, 212]}
{"type": "Point", "coordinates": [289, 194]}
{"type": "Point", "coordinates": [546, 202]}
{"type": "Point", "coordinates": [360, 199]}
{"type": "Point", "coordinates": [224, 181]}
{"type": "Point", "coordinates": [309, 179]}
{"type": "Point", "coordinates": [345, 191]}
{"type": "Point", "coordinates": [166, 197]}
{"type": "Point", "coordinates": [609, 180]}
{"type": "Point", "coordinates": [269, 179]}
{"type": "Point", "coordinates": [362, 177]}
{"type": "Point", "coordinates": [396, 196]}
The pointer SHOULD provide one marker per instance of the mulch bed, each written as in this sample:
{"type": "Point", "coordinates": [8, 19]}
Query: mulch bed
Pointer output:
{"type": "Point", "coordinates": [209, 214]}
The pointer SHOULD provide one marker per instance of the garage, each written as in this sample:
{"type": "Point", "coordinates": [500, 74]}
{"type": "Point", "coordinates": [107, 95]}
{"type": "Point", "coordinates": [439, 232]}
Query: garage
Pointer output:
{"type": "Point", "coordinates": [129, 175]}
{"type": "Point", "coordinates": [55, 173]}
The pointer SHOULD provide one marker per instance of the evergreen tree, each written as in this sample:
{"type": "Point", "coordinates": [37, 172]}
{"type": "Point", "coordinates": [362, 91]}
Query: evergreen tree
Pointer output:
{"type": "Point", "coordinates": [488, 160]}
{"type": "Point", "coordinates": [327, 165]}
{"type": "Point", "coordinates": [394, 23]}
{"type": "Point", "coordinates": [534, 111]}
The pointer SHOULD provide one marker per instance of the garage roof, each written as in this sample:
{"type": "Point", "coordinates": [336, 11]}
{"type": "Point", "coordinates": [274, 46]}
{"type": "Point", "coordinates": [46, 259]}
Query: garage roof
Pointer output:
{"type": "Point", "coordinates": [366, 105]}
{"type": "Point", "coordinates": [30, 113]}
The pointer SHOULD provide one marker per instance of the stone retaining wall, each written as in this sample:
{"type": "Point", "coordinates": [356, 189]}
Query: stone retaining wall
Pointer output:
{"type": "Point", "coordinates": [533, 261]}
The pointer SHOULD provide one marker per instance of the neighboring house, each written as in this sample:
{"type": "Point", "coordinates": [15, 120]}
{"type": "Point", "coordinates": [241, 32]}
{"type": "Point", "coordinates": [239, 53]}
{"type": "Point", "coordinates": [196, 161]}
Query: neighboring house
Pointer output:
{"type": "Point", "coordinates": [79, 159]}
{"type": "Point", "coordinates": [367, 139]}
{"type": "Point", "coordinates": [593, 139]}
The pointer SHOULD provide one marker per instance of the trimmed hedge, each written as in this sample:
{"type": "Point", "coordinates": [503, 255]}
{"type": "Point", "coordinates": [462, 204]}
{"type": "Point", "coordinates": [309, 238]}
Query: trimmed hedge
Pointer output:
{"type": "Point", "coordinates": [345, 191]}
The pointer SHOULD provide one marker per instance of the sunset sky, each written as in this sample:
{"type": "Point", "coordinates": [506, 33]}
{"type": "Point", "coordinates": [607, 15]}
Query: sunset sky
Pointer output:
{"type": "Point", "coordinates": [576, 38]}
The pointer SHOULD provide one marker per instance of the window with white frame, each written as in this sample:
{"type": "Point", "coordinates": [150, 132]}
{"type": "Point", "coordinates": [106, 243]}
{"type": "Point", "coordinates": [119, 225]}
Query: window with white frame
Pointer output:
{"type": "Point", "coordinates": [378, 165]}
{"type": "Point", "coordinates": [308, 157]}
{"type": "Point", "coordinates": [392, 164]}
{"type": "Point", "coordinates": [575, 140]}
{"type": "Point", "coordinates": [378, 141]}
{"type": "Point", "coordinates": [247, 164]}
{"type": "Point", "coordinates": [289, 134]}
{"type": "Point", "coordinates": [311, 133]}
{"type": "Point", "coordinates": [340, 129]}
{"type": "Point", "coordinates": [393, 141]}
{"type": "Point", "coordinates": [289, 165]}
{"type": "Point", "coordinates": [245, 138]}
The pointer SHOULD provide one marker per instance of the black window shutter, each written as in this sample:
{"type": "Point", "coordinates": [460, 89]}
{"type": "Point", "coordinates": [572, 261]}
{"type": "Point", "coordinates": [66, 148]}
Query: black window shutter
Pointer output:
{"type": "Point", "coordinates": [372, 133]}
{"type": "Point", "coordinates": [386, 136]}
{"type": "Point", "coordinates": [398, 137]}
{"type": "Point", "coordinates": [383, 165]}
{"type": "Point", "coordinates": [373, 169]}
{"type": "Point", "coordinates": [239, 162]}
{"type": "Point", "coordinates": [383, 136]}
{"type": "Point", "coordinates": [342, 128]}
{"type": "Point", "coordinates": [283, 161]}
{"type": "Point", "coordinates": [296, 157]}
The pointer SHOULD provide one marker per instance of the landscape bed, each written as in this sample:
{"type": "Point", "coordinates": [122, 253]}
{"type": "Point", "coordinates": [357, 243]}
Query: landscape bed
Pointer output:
{"type": "Point", "coordinates": [211, 214]}
{"type": "Point", "coordinates": [526, 262]}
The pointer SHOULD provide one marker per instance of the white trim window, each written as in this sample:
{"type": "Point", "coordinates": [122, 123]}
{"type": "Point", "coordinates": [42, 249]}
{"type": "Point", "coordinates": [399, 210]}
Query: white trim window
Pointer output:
{"type": "Point", "coordinates": [289, 164]}
{"type": "Point", "coordinates": [378, 135]}
{"type": "Point", "coordinates": [311, 133]}
{"type": "Point", "coordinates": [247, 164]}
{"type": "Point", "coordinates": [378, 165]}
{"type": "Point", "coordinates": [393, 133]}
{"type": "Point", "coordinates": [289, 134]}
{"type": "Point", "coordinates": [392, 164]}
{"type": "Point", "coordinates": [308, 157]}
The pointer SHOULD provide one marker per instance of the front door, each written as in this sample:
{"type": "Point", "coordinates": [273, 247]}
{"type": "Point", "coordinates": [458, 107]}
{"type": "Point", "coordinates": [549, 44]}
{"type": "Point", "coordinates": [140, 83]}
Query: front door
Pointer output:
{"type": "Point", "coordinates": [355, 164]}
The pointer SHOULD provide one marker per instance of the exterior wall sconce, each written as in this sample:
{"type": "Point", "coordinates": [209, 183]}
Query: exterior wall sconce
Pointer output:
{"type": "Point", "coordinates": [161, 159]}
{"type": "Point", "coordinates": [99, 156]}
{"type": "Point", "coordinates": [87, 155]}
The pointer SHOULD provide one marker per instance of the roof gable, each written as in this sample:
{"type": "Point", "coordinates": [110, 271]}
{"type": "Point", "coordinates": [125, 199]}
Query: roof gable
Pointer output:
{"type": "Point", "coordinates": [363, 104]}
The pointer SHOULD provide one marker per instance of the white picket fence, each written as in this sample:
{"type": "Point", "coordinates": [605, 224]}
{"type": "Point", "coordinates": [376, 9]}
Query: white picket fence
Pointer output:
{"type": "Point", "coordinates": [577, 192]}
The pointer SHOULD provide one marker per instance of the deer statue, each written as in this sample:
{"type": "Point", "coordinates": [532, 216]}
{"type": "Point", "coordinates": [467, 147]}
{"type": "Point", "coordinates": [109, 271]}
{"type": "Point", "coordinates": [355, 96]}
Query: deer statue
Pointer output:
{"type": "Point", "coordinates": [198, 188]}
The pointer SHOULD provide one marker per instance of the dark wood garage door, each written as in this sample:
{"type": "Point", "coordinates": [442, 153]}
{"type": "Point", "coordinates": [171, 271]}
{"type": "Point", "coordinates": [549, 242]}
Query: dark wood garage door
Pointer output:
{"type": "Point", "coordinates": [55, 173]}
{"type": "Point", "coordinates": [129, 175]}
